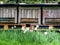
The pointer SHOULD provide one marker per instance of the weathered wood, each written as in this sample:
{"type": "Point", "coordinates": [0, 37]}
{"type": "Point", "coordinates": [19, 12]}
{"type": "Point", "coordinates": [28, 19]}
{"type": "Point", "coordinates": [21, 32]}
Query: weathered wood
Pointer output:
{"type": "Point", "coordinates": [50, 27]}
{"type": "Point", "coordinates": [7, 12]}
{"type": "Point", "coordinates": [29, 20]}
{"type": "Point", "coordinates": [6, 27]}
{"type": "Point", "coordinates": [52, 21]}
{"type": "Point", "coordinates": [7, 20]}
{"type": "Point", "coordinates": [31, 27]}
{"type": "Point", "coordinates": [29, 12]}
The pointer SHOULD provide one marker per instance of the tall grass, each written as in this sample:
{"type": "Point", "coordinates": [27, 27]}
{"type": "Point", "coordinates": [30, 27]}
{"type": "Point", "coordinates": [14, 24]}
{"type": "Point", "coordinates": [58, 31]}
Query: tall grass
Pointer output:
{"type": "Point", "coordinates": [17, 37]}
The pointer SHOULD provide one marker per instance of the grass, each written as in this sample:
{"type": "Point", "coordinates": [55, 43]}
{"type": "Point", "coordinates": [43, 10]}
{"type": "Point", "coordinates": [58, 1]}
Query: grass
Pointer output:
{"type": "Point", "coordinates": [18, 37]}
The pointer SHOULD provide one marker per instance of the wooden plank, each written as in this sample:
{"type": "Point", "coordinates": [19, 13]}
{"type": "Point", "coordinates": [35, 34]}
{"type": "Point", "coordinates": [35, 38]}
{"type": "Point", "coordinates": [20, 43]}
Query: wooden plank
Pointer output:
{"type": "Point", "coordinates": [31, 27]}
{"type": "Point", "coordinates": [6, 27]}
{"type": "Point", "coordinates": [29, 20]}
{"type": "Point", "coordinates": [50, 27]}
{"type": "Point", "coordinates": [7, 20]}
{"type": "Point", "coordinates": [52, 21]}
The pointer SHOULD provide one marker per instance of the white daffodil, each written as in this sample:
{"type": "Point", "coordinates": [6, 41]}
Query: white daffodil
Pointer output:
{"type": "Point", "coordinates": [25, 31]}
{"type": "Point", "coordinates": [27, 28]}
{"type": "Point", "coordinates": [23, 28]}
{"type": "Point", "coordinates": [35, 28]}
{"type": "Point", "coordinates": [14, 26]}
{"type": "Point", "coordinates": [45, 33]}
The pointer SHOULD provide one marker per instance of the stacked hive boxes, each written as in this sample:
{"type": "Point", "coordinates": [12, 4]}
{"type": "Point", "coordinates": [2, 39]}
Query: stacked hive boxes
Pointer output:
{"type": "Point", "coordinates": [50, 12]}
{"type": "Point", "coordinates": [9, 12]}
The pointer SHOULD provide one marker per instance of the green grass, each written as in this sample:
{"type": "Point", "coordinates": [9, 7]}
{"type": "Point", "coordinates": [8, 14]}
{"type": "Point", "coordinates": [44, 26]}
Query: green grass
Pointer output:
{"type": "Point", "coordinates": [18, 37]}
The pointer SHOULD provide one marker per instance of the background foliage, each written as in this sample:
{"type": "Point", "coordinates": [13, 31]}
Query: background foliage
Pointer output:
{"type": "Point", "coordinates": [29, 1]}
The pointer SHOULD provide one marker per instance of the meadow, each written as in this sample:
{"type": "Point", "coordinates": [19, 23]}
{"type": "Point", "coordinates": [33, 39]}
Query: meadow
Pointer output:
{"type": "Point", "coordinates": [18, 37]}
